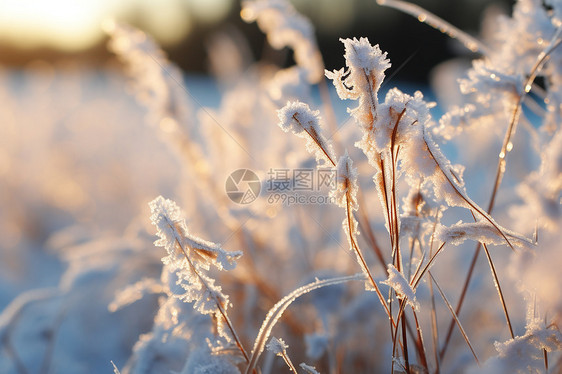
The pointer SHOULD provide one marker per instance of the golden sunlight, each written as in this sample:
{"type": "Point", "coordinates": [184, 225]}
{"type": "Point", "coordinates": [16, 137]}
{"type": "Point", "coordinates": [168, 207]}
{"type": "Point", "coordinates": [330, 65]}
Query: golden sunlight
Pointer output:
{"type": "Point", "coordinates": [61, 24]}
{"type": "Point", "coordinates": [70, 25]}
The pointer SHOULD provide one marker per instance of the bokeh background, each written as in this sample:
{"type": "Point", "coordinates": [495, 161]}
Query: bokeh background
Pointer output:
{"type": "Point", "coordinates": [65, 29]}
{"type": "Point", "coordinates": [86, 143]}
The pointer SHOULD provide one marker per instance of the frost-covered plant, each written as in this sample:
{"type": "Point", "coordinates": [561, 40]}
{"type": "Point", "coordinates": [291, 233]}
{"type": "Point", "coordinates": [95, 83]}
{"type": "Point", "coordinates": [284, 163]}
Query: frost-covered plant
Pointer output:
{"type": "Point", "coordinates": [189, 259]}
{"type": "Point", "coordinates": [119, 307]}
{"type": "Point", "coordinates": [298, 118]}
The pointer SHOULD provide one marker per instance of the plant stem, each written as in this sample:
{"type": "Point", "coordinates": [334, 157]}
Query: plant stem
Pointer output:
{"type": "Point", "coordinates": [500, 169]}
{"type": "Point", "coordinates": [217, 302]}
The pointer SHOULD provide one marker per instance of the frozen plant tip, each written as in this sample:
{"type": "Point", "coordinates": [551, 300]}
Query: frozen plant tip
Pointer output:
{"type": "Point", "coordinates": [279, 347]}
{"type": "Point", "coordinates": [298, 118]}
{"type": "Point", "coordinates": [174, 237]}
{"type": "Point", "coordinates": [362, 79]}
{"type": "Point", "coordinates": [189, 256]}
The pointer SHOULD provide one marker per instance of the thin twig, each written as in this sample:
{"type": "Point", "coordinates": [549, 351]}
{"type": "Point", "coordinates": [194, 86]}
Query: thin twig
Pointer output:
{"type": "Point", "coordinates": [470, 203]}
{"type": "Point", "coordinates": [405, 345]}
{"type": "Point", "coordinates": [498, 287]}
{"type": "Point", "coordinates": [438, 23]}
{"type": "Point", "coordinates": [278, 309]}
{"type": "Point", "coordinates": [288, 361]}
{"type": "Point", "coordinates": [362, 261]}
{"type": "Point", "coordinates": [420, 342]}
{"type": "Point", "coordinates": [464, 291]}
{"type": "Point", "coordinates": [434, 328]}
{"type": "Point", "coordinates": [500, 169]}
{"type": "Point", "coordinates": [395, 332]}
{"type": "Point", "coordinates": [457, 321]}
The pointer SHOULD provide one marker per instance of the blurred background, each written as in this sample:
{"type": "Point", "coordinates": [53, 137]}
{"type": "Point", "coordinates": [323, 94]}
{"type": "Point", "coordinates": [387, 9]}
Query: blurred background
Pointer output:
{"type": "Point", "coordinates": [81, 157]}
{"type": "Point", "coordinates": [57, 30]}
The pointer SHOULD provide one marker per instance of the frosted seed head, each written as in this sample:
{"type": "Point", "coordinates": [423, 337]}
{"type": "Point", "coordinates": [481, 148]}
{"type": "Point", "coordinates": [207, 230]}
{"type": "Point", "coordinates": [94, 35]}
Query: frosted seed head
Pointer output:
{"type": "Point", "coordinates": [174, 236]}
{"type": "Point", "coordinates": [360, 54]}
{"type": "Point", "coordinates": [277, 346]}
{"type": "Point", "coordinates": [188, 260]}
{"type": "Point", "coordinates": [170, 227]}
{"type": "Point", "coordinates": [362, 79]}
{"type": "Point", "coordinates": [298, 118]}
{"type": "Point", "coordinates": [364, 62]}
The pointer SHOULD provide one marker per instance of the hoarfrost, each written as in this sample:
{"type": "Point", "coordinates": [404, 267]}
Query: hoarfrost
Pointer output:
{"type": "Point", "coordinates": [298, 118]}
{"type": "Point", "coordinates": [188, 257]}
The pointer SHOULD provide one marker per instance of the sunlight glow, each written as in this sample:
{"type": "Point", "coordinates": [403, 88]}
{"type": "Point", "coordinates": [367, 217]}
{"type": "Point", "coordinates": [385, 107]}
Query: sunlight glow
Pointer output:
{"type": "Point", "coordinates": [71, 25]}
{"type": "Point", "coordinates": [65, 24]}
